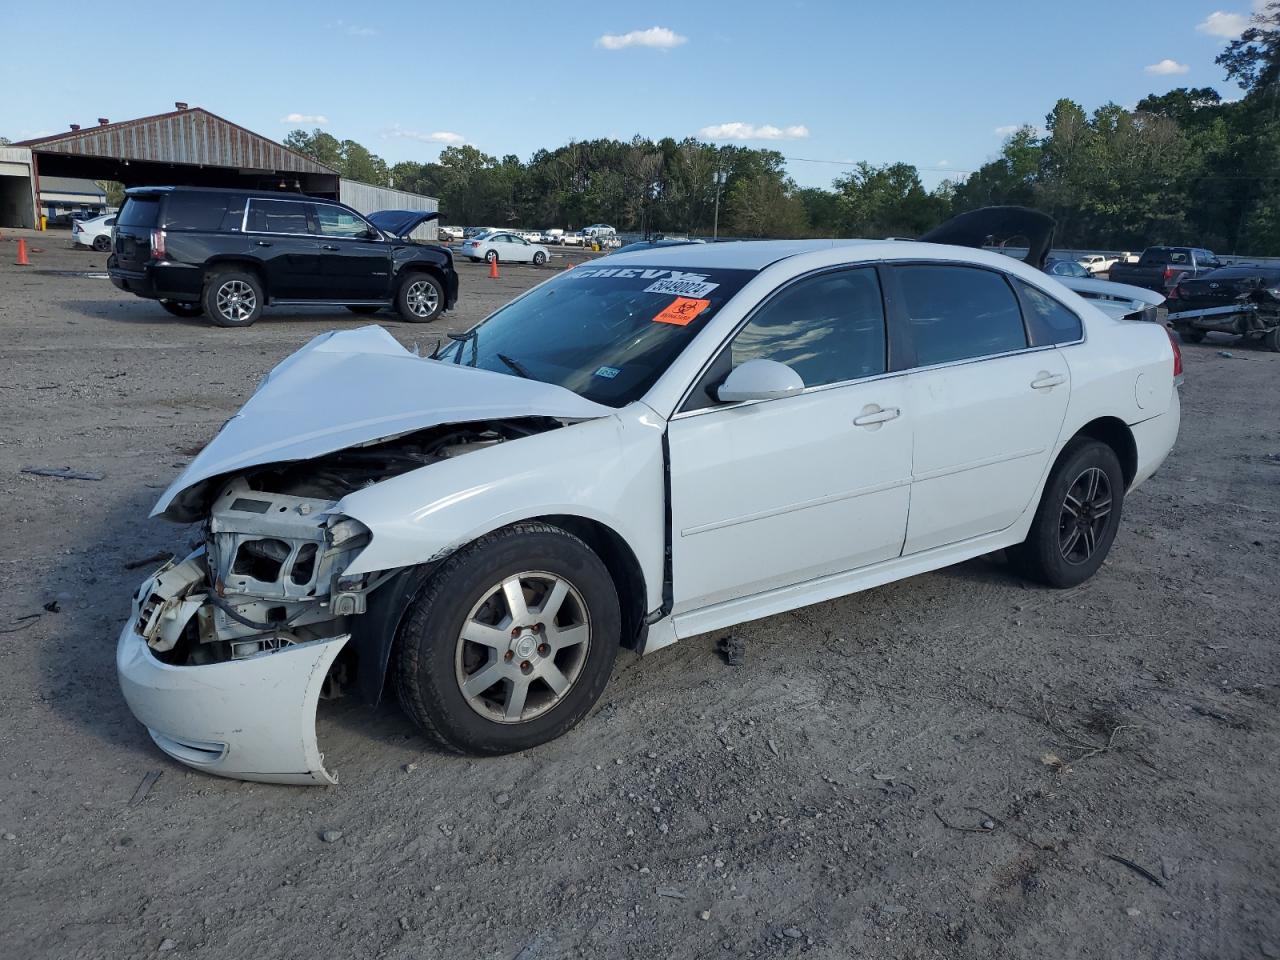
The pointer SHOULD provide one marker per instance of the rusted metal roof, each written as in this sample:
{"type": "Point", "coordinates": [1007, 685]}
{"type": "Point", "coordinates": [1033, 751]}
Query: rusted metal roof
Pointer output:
{"type": "Point", "coordinates": [193, 136]}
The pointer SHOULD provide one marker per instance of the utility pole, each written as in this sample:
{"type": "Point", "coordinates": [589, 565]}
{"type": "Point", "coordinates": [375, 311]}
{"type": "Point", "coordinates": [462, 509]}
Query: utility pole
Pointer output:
{"type": "Point", "coordinates": [715, 228]}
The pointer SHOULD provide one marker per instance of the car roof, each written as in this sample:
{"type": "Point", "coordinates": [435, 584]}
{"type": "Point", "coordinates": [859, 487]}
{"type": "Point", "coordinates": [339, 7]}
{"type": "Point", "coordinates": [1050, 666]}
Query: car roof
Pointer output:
{"type": "Point", "coordinates": [737, 254]}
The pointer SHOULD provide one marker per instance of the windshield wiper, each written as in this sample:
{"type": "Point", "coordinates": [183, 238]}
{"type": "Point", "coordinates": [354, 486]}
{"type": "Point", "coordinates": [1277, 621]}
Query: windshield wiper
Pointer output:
{"type": "Point", "coordinates": [471, 335]}
{"type": "Point", "coordinates": [515, 365]}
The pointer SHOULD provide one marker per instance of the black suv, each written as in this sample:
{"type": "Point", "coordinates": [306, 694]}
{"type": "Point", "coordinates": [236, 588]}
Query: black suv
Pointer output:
{"type": "Point", "coordinates": [227, 253]}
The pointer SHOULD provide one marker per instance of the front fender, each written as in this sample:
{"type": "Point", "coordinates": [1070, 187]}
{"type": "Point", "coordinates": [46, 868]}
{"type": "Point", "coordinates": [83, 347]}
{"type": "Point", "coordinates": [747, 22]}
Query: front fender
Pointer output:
{"type": "Point", "coordinates": [608, 470]}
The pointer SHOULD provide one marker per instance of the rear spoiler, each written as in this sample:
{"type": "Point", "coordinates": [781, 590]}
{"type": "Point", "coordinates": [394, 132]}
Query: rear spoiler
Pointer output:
{"type": "Point", "coordinates": [996, 226]}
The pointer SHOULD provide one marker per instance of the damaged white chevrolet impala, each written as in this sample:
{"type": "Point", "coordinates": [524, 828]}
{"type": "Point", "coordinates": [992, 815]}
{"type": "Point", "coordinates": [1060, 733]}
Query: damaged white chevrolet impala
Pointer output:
{"type": "Point", "coordinates": [657, 445]}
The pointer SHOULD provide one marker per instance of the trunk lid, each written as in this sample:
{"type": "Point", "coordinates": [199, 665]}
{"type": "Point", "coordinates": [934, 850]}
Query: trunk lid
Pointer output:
{"type": "Point", "coordinates": [139, 216]}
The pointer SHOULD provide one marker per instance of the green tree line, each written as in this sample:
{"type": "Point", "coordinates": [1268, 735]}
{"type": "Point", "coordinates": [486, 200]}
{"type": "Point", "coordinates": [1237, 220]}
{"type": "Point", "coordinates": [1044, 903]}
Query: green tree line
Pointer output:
{"type": "Point", "coordinates": [1184, 167]}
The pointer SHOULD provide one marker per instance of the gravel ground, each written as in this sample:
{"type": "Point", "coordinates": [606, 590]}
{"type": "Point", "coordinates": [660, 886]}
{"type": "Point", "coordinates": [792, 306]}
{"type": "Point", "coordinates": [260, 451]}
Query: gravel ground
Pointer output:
{"type": "Point", "coordinates": [947, 766]}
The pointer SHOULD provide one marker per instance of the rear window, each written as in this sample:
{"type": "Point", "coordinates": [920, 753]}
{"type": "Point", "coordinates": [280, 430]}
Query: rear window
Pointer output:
{"type": "Point", "coordinates": [195, 211]}
{"type": "Point", "coordinates": [280, 216]}
{"type": "Point", "coordinates": [139, 212]}
{"type": "Point", "coordinates": [957, 313]}
{"type": "Point", "coordinates": [1160, 255]}
{"type": "Point", "coordinates": [1048, 321]}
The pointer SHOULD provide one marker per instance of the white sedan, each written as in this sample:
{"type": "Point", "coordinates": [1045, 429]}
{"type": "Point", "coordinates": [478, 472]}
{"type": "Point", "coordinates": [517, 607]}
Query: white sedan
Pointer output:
{"type": "Point", "coordinates": [506, 247]}
{"type": "Point", "coordinates": [663, 444]}
{"type": "Point", "coordinates": [1096, 263]}
{"type": "Point", "coordinates": [95, 233]}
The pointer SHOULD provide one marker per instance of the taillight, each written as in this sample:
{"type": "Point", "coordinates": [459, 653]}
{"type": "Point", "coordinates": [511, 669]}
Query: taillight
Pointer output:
{"type": "Point", "coordinates": [76, 228]}
{"type": "Point", "coordinates": [1177, 355]}
{"type": "Point", "coordinates": [157, 245]}
{"type": "Point", "coordinates": [1168, 274]}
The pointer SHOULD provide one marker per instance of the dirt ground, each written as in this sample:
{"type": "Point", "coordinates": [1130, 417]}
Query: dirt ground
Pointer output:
{"type": "Point", "coordinates": [949, 766]}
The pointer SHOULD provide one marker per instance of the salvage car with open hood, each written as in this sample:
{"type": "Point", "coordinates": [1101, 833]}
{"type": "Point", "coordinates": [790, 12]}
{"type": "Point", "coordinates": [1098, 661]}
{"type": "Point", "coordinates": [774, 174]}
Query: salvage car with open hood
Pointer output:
{"type": "Point", "coordinates": [635, 451]}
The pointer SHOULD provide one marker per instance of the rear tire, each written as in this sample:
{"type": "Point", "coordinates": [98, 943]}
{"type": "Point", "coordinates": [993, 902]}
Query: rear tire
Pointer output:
{"type": "Point", "coordinates": [420, 298]}
{"type": "Point", "coordinates": [102, 244]}
{"type": "Point", "coordinates": [1077, 519]}
{"type": "Point", "coordinates": [233, 298]}
{"type": "Point", "coordinates": [491, 256]}
{"type": "Point", "coordinates": [363, 310]}
{"type": "Point", "coordinates": [180, 309]}
{"type": "Point", "coordinates": [523, 653]}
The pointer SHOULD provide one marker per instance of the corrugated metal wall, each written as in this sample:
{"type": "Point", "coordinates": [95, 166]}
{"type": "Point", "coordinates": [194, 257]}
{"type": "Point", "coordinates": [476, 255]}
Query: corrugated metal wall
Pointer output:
{"type": "Point", "coordinates": [187, 136]}
{"type": "Point", "coordinates": [367, 198]}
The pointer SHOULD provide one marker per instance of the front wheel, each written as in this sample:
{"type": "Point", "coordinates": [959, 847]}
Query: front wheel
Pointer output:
{"type": "Point", "coordinates": [180, 309]}
{"type": "Point", "coordinates": [1077, 519]}
{"type": "Point", "coordinates": [233, 298]}
{"type": "Point", "coordinates": [539, 258]}
{"type": "Point", "coordinates": [510, 642]}
{"type": "Point", "coordinates": [421, 298]}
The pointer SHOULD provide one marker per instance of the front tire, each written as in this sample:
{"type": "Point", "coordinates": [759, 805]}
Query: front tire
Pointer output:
{"type": "Point", "coordinates": [1077, 519]}
{"type": "Point", "coordinates": [539, 258]}
{"type": "Point", "coordinates": [180, 309]}
{"type": "Point", "coordinates": [233, 298]}
{"type": "Point", "coordinates": [510, 642]}
{"type": "Point", "coordinates": [420, 298]}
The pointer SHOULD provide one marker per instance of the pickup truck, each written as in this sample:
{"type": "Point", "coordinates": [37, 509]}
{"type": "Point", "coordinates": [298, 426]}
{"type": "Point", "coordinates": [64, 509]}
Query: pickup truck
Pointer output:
{"type": "Point", "coordinates": [1160, 268]}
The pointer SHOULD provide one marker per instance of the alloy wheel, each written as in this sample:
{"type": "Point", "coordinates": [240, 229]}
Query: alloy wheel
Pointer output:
{"type": "Point", "coordinates": [1085, 512]}
{"type": "Point", "coordinates": [422, 298]}
{"type": "Point", "coordinates": [236, 300]}
{"type": "Point", "coordinates": [522, 647]}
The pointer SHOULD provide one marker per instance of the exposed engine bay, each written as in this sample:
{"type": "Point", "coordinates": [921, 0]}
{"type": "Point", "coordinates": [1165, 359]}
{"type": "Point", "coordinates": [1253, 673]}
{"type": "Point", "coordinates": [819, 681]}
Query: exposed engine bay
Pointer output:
{"type": "Point", "coordinates": [270, 571]}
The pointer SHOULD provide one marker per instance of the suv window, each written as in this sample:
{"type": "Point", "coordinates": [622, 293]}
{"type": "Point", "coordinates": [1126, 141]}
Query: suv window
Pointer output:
{"type": "Point", "coordinates": [827, 328]}
{"type": "Point", "coordinates": [279, 216]}
{"type": "Point", "coordinates": [1048, 321]}
{"type": "Point", "coordinates": [139, 212]}
{"type": "Point", "coordinates": [957, 313]}
{"type": "Point", "coordinates": [195, 211]}
{"type": "Point", "coordinates": [336, 222]}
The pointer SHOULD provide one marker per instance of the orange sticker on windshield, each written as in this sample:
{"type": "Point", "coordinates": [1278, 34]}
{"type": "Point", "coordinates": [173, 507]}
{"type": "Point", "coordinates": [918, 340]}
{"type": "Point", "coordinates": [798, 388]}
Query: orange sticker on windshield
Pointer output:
{"type": "Point", "coordinates": [681, 310]}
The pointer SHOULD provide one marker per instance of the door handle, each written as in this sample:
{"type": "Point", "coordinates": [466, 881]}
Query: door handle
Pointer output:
{"type": "Point", "coordinates": [329, 246]}
{"type": "Point", "coordinates": [263, 243]}
{"type": "Point", "coordinates": [1045, 381]}
{"type": "Point", "coordinates": [873, 415]}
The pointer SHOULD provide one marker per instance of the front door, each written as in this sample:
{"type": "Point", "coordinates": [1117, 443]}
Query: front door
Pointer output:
{"type": "Point", "coordinates": [775, 492]}
{"type": "Point", "coordinates": [353, 266]}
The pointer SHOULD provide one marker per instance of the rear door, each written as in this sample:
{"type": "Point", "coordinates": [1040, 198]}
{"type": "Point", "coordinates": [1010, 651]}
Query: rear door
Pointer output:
{"type": "Point", "coordinates": [353, 266]}
{"type": "Point", "coordinates": [987, 396]}
{"type": "Point", "coordinates": [134, 223]}
{"type": "Point", "coordinates": [283, 239]}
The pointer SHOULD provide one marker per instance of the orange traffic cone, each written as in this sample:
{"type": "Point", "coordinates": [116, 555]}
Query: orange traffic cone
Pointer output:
{"type": "Point", "coordinates": [22, 260]}
{"type": "Point", "coordinates": [568, 266]}
{"type": "Point", "coordinates": [493, 269]}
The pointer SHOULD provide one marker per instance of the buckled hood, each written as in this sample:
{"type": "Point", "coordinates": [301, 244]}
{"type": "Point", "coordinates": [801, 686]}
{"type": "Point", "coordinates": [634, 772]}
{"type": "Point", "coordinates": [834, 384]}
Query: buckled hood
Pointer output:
{"type": "Point", "coordinates": [401, 223]}
{"type": "Point", "coordinates": [355, 387]}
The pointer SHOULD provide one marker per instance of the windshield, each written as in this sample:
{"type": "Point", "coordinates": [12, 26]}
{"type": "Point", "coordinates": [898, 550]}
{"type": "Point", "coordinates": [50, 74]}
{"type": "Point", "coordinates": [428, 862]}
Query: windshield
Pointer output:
{"type": "Point", "coordinates": [606, 333]}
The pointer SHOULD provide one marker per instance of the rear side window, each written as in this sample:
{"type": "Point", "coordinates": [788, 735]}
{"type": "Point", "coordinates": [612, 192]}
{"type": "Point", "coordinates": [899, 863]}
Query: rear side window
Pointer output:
{"type": "Point", "coordinates": [139, 212]}
{"type": "Point", "coordinates": [195, 211]}
{"type": "Point", "coordinates": [279, 216]}
{"type": "Point", "coordinates": [1048, 321]}
{"type": "Point", "coordinates": [828, 329]}
{"type": "Point", "coordinates": [957, 313]}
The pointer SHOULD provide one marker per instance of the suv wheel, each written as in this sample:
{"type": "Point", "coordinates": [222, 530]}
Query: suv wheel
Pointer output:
{"type": "Point", "coordinates": [510, 642]}
{"type": "Point", "coordinates": [1077, 519]}
{"type": "Point", "coordinates": [181, 309]}
{"type": "Point", "coordinates": [421, 298]}
{"type": "Point", "coordinates": [233, 298]}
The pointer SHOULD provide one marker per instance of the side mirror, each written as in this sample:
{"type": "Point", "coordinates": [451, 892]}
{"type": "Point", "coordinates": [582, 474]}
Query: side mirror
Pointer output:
{"type": "Point", "coordinates": [372, 234]}
{"type": "Point", "coordinates": [760, 380]}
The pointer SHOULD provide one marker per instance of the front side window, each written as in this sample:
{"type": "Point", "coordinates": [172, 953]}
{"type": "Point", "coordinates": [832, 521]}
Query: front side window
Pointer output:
{"type": "Point", "coordinates": [606, 333]}
{"type": "Point", "coordinates": [1048, 321]}
{"type": "Point", "coordinates": [958, 313]}
{"type": "Point", "coordinates": [828, 328]}
{"type": "Point", "coordinates": [280, 216]}
{"type": "Point", "coordinates": [336, 222]}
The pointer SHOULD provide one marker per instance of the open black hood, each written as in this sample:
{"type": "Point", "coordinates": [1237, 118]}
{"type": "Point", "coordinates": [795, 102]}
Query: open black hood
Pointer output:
{"type": "Point", "coordinates": [401, 223]}
{"type": "Point", "coordinates": [996, 226]}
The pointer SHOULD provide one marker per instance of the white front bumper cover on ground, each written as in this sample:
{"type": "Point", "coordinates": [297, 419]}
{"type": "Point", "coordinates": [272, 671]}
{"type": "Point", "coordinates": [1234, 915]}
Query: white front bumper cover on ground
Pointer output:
{"type": "Point", "coordinates": [251, 719]}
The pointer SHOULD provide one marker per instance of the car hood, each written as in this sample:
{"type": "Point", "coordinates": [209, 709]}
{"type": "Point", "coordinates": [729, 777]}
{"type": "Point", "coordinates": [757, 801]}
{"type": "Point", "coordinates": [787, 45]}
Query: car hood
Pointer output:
{"type": "Point", "coordinates": [401, 223]}
{"type": "Point", "coordinates": [355, 387]}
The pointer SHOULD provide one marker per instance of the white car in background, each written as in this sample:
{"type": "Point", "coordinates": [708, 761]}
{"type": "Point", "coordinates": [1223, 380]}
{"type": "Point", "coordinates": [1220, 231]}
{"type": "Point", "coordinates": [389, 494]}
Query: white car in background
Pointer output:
{"type": "Point", "coordinates": [572, 238]}
{"type": "Point", "coordinates": [505, 247]}
{"type": "Point", "coordinates": [653, 447]}
{"type": "Point", "coordinates": [530, 236]}
{"type": "Point", "coordinates": [95, 233]}
{"type": "Point", "coordinates": [553, 235]}
{"type": "Point", "coordinates": [451, 233]}
{"type": "Point", "coordinates": [1096, 262]}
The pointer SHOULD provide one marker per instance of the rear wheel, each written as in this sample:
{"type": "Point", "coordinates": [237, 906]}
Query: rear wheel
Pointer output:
{"type": "Point", "coordinates": [421, 298]}
{"type": "Point", "coordinates": [363, 309]}
{"type": "Point", "coordinates": [510, 642]}
{"type": "Point", "coordinates": [102, 244]}
{"type": "Point", "coordinates": [1077, 519]}
{"type": "Point", "coordinates": [181, 309]}
{"type": "Point", "coordinates": [233, 298]}
{"type": "Point", "coordinates": [491, 256]}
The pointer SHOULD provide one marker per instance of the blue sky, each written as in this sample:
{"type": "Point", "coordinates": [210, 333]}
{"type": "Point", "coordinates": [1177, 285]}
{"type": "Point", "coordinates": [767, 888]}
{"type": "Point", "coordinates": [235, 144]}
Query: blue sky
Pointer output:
{"type": "Point", "coordinates": [929, 82]}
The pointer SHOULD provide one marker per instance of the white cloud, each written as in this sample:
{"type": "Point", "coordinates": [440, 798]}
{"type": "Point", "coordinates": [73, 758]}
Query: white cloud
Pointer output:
{"type": "Point", "coordinates": [943, 163]}
{"type": "Point", "coordinates": [737, 130]}
{"type": "Point", "coordinates": [447, 137]}
{"type": "Point", "coordinates": [1223, 24]}
{"type": "Point", "coordinates": [1007, 129]}
{"type": "Point", "coordinates": [660, 38]}
{"type": "Point", "coordinates": [356, 31]}
{"type": "Point", "coordinates": [317, 118]}
{"type": "Point", "coordinates": [1166, 68]}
